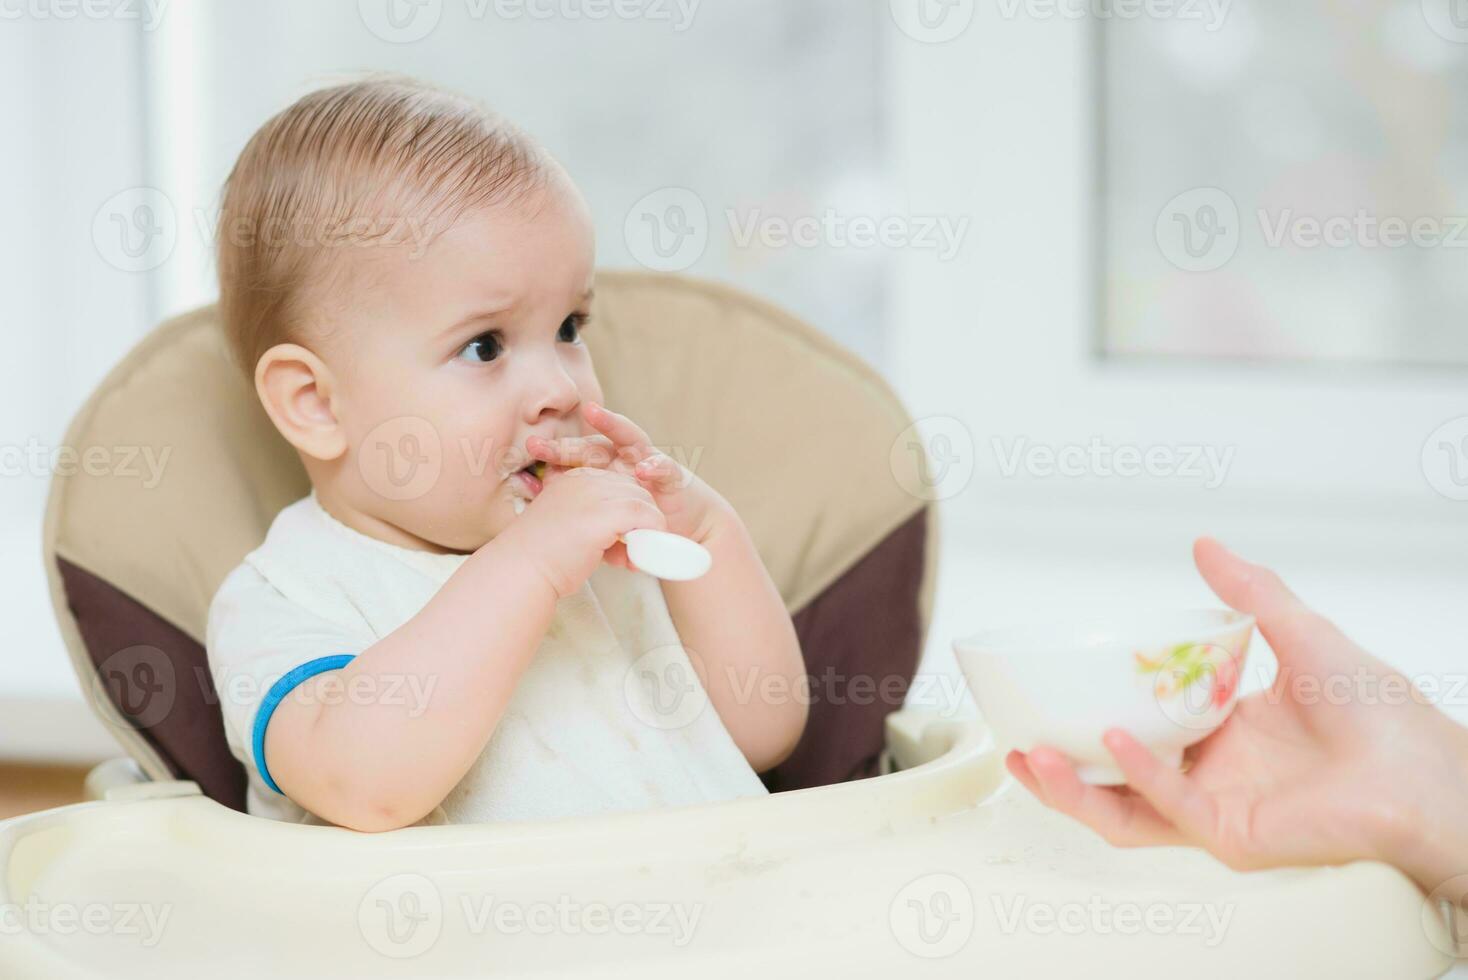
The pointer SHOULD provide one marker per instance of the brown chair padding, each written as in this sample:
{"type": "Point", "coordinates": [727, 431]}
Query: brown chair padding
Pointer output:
{"type": "Point", "coordinates": [753, 399]}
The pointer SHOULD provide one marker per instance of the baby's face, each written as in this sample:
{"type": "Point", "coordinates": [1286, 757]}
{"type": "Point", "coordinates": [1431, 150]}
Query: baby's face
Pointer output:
{"type": "Point", "coordinates": [450, 360]}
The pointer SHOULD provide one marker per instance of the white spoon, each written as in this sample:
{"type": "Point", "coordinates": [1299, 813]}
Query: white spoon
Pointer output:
{"type": "Point", "coordinates": [666, 556]}
{"type": "Point", "coordinates": [660, 554]}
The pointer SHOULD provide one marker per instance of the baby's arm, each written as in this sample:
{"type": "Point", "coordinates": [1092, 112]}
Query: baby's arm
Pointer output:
{"type": "Point", "coordinates": [370, 765]}
{"type": "Point", "coordinates": [379, 766]}
{"type": "Point", "coordinates": [734, 621]}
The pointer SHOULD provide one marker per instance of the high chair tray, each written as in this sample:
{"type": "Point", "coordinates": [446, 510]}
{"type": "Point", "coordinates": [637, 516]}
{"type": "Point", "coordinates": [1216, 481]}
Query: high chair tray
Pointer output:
{"type": "Point", "coordinates": [945, 869]}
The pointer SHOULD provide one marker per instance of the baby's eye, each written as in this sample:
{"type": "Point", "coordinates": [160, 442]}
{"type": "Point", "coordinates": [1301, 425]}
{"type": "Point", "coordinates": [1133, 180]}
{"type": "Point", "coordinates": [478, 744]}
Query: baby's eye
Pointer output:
{"type": "Point", "coordinates": [484, 348]}
{"type": "Point", "coordinates": [571, 327]}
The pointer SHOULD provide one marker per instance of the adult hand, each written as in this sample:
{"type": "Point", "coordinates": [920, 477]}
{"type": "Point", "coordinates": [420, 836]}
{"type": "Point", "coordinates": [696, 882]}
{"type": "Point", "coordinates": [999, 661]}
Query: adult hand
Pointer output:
{"type": "Point", "coordinates": [1342, 758]}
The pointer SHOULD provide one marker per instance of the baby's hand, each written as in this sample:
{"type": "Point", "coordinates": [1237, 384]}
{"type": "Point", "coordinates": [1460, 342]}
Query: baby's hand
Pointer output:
{"type": "Point", "coordinates": [573, 523]}
{"type": "Point", "coordinates": [690, 505]}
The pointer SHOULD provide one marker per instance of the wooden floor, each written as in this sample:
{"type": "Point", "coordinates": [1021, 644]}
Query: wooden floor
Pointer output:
{"type": "Point", "coordinates": [24, 789]}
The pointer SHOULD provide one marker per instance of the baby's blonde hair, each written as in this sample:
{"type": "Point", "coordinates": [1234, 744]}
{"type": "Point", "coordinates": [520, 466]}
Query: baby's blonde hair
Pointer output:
{"type": "Point", "coordinates": [371, 162]}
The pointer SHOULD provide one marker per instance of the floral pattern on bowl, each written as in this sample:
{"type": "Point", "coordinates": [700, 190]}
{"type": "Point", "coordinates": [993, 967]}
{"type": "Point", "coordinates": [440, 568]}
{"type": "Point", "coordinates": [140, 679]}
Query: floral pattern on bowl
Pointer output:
{"type": "Point", "coordinates": [1176, 669]}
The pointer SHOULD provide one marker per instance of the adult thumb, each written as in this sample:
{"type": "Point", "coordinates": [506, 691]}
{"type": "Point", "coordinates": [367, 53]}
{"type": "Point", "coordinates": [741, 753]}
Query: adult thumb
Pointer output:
{"type": "Point", "coordinates": [1285, 622]}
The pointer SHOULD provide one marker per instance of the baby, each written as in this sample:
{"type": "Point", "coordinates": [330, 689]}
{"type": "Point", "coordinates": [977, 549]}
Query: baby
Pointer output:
{"type": "Point", "coordinates": [437, 634]}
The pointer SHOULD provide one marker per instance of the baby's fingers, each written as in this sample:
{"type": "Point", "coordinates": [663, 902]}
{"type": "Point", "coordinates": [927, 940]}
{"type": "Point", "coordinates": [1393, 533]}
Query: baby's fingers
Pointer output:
{"type": "Point", "coordinates": [573, 451]}
{"type": "Point", "coordinates": [619, 428]}
{"type": "Point", "coordinates": [660, 473]}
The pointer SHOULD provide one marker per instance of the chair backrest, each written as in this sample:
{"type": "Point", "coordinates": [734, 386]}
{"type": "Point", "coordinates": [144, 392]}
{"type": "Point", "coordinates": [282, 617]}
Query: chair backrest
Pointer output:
{"type": "Point", "coordinates": [799, 434]}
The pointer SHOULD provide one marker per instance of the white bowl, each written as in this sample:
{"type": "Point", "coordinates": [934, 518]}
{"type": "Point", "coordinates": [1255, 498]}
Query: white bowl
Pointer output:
{"type": "Point", "coordinates": [1168, 678]}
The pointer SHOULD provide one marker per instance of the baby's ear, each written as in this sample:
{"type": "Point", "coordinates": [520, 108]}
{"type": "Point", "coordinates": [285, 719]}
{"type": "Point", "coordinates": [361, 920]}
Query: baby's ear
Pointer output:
{"type": "Point", "coordinates": [295, 386]}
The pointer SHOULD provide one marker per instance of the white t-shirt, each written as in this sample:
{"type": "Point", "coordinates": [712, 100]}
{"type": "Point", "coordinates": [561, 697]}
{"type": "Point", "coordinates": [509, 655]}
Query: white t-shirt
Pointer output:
{"type": "Point", "coordinates": [609, 716]}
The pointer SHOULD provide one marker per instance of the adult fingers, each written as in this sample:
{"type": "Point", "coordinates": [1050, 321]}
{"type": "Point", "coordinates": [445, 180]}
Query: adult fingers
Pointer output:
{"type": "Point", "coordinates": [1172, 794]}
{"type": "Point", "coordinates": [1123, 820]}
{"type": "Point", "coordinates": [1018, 765]}
{"type": "Point", "coordinates": [1286, 623]}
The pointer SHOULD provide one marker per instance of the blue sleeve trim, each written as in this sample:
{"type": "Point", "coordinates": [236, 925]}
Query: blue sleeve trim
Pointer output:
{"type": "Point", "coordinates": [277, 693]}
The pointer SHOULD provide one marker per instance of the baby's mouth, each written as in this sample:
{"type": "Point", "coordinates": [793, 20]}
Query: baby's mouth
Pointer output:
{"type": "Point", "coordinates": [531, 479]}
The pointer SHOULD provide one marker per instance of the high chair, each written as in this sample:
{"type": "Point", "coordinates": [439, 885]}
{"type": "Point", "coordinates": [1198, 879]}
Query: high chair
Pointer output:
{"type": "Point", "coordinates": [893, 842]}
